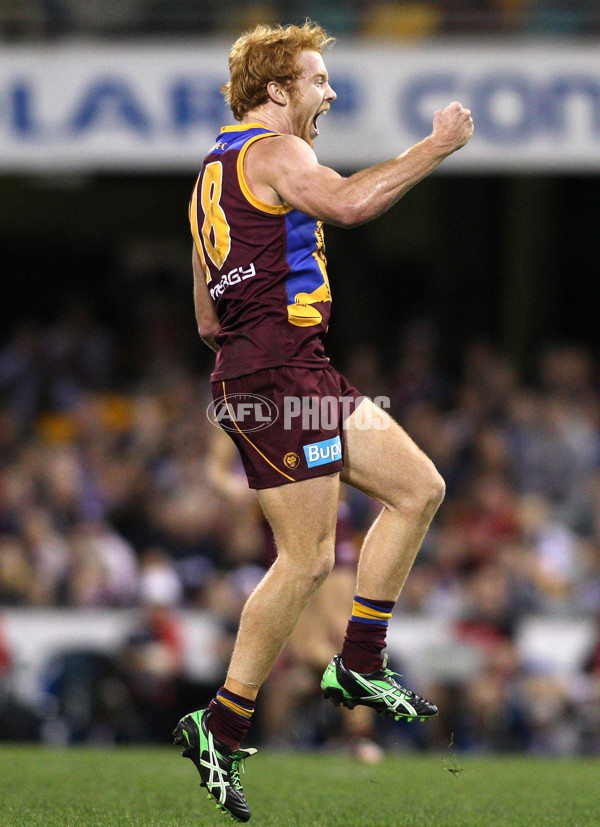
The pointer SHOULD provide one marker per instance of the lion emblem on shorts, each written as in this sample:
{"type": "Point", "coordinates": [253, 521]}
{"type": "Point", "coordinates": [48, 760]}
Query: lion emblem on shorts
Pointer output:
{"type": "Point", "coordinates": [291, 460]}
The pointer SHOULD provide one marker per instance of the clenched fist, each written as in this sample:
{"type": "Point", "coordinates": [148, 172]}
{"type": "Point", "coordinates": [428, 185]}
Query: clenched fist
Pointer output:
{"type": "Point", "coordinates": [452, 127]}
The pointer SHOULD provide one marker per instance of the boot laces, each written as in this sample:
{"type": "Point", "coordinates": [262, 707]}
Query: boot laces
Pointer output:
{"type": "Point", "coordinates": [237, 765]}
{"type": "Point", "coordinates": [392, 677]}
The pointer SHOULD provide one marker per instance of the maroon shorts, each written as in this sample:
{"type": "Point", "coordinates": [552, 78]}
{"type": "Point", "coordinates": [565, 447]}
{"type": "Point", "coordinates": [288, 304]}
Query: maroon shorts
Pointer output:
{"type": "Point", "coordinates": [287, 422]}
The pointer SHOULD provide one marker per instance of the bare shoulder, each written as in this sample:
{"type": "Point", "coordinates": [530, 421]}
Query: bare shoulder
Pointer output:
{"type": "Point", "coordinates": [285, 151]}
{"type": "Point", "coordinates": [285, 171]}
{"type": "Point", "coordinates": [275, 166]}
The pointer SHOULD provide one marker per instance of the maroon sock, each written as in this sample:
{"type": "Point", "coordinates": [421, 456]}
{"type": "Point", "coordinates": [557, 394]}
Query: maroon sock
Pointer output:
{"type": "Point", "coordinates": [230, 719]}
{"type": "Point", "coordinates": [366, 634]}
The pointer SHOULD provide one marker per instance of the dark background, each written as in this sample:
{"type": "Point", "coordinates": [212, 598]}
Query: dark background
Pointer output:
{"type": "Point", "coordinates": [513, 259]}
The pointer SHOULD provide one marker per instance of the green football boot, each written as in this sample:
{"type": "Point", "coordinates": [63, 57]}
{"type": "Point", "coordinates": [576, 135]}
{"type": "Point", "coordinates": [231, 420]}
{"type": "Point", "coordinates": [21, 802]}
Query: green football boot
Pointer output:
{"type": "Point", "coordinates": [219, 766]}
{"type": "Point", "coordinates": [379, 689]}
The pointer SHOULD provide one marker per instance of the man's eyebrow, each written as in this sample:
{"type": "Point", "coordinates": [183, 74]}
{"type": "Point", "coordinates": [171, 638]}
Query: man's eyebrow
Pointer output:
{"type": "Point", "coordinates": [321, 76]}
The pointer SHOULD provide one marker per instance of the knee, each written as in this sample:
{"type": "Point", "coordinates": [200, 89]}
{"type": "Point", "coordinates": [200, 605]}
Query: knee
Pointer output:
{"type": "Point", "coordinates": [426, 491]}
{"type": "Point", "coordinates": [322, 565]}
{"type": "Point", "coordinates": [307, 570]}
{"type": "Point", "coordinates": [436, 490]}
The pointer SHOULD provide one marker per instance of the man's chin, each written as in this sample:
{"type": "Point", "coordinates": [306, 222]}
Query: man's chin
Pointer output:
{"type": "Point", "coordinates": [307, 135]}
{"type": "Point", "coordinates": [310, 139]}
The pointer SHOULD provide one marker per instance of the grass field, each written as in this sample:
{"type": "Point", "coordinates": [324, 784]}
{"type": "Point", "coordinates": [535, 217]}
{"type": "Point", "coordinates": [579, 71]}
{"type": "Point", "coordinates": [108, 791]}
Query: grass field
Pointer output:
{"type": "Point", "coordinates": [127, 787]}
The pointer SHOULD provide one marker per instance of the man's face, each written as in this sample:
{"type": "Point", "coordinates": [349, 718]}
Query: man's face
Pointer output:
{"type": "Point", "coordinates": [311, 95]}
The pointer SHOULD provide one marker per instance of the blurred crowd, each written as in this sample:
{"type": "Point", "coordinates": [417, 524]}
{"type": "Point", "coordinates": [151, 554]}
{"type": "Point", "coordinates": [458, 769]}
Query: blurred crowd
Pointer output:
{"type": "Point", "coordinates": [117, 491]}
{"type": "Point", "coordinates": [32, 19]}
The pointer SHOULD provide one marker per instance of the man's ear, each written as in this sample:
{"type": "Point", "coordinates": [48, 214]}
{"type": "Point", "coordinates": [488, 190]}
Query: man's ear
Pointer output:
{"type": "Point", "coordinates": [277, 93]}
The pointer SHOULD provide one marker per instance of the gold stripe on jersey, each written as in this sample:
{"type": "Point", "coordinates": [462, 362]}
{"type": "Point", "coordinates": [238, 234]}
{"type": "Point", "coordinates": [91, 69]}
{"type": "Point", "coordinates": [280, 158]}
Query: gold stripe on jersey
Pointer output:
{"type": "Point", "coordinates": [241, 127]}
{"type": "Point", "coordinates": [195, 231]}
{"type": "Point", "coordinates": [249, 195]}
{"type": "Point", "coordinates": [283, 474]}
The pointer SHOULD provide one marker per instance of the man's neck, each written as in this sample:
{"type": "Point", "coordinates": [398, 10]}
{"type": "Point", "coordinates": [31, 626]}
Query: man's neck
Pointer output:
{"type": "Point", "coordinates": [276, 120]}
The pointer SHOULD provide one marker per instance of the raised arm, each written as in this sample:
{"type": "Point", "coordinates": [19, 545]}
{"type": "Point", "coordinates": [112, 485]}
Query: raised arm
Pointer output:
{"type": "Point", "coordinates": [285, 170]}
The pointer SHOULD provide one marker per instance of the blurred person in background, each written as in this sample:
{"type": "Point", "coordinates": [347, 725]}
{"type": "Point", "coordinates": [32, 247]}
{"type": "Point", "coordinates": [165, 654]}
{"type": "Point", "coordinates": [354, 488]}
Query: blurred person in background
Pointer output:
{"type": "Point", "coordinates": [125, 455]}
{"type": "Point", "coordinates": [18, 722]}
{"type": "Point", "coordinates": [22, 373]}
{"type": "Point", "coordinates": [151, 659]}
{"type": "Point", "coordinates": [262, 302]}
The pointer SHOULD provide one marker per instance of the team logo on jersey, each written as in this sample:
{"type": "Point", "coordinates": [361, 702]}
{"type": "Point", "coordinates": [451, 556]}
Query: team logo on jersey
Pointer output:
{"type": "Point", "coordinates": [291, 460]}
{"type": "Point", "coordinates": [321, 453]}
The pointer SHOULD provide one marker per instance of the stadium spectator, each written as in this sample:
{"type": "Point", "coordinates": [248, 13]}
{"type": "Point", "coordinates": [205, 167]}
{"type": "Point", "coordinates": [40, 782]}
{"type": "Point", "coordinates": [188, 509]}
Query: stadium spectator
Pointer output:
{"type": "Point", "coordinates": [121, 457]}
{"type": "Point", "coordinates": [29, 20]}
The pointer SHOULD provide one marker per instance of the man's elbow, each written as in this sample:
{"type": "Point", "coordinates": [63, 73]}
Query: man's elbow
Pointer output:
{"type": "Point", "coordinates": [207, 332]}
{"type": "Point", "coordinates": [210, 342]}
{"type": "Point", "coordinates": [208, 329]}
{"type": "Point", "coordinates": [348, 215]}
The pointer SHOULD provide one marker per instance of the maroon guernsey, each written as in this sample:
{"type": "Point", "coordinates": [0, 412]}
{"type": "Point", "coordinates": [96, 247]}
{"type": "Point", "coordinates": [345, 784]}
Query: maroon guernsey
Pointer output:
{"type": "Point", "coordinates": [265, 266]}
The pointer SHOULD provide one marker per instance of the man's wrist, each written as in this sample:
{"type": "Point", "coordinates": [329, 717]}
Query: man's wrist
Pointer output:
{"type": "Point", "coordinates": [438, 146]}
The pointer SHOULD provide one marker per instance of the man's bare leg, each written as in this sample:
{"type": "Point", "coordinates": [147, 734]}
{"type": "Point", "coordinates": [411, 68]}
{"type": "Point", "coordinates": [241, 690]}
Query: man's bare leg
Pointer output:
{"type": "Point", "coordinates": [381, 460]}
{"type": "Point", "coordinates": [303, 517]}
{"type": "Point", "coordinates": [385, 463]}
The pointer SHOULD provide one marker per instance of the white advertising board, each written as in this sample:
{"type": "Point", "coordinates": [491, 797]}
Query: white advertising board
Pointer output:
{"type": "Point", "coordinates": [158, 107]}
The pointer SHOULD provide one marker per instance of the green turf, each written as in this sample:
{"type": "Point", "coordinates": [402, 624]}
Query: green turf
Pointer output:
{"type": "Point", "coordinates": [145, 787]}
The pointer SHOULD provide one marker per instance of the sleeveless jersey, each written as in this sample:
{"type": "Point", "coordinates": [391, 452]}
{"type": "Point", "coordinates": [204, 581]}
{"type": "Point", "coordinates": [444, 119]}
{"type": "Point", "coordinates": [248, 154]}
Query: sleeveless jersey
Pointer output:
{"type": "Point", "coordinates": [265, 266]}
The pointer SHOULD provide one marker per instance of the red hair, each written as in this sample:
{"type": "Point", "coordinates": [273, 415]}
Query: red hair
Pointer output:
{"type": "Point", "coordinates": [265, 54]}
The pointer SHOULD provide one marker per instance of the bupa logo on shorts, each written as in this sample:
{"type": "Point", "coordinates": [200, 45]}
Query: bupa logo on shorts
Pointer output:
{"type": "Point", "coordinates": [245, 412]}
{"type": "Point", "coordinates": [320, 453]}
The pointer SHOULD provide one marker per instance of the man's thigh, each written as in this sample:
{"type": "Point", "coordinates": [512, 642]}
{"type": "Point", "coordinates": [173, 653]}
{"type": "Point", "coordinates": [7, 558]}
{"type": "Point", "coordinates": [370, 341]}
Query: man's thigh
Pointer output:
{"type": "Point", "coordinates": [379, 457]}
{"type": "Point", "coordinates": [303, 515]}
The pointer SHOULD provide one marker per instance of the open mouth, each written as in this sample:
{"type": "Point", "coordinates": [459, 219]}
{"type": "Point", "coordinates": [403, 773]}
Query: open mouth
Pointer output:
{"type": "Point", "coordinates": [315, 119]}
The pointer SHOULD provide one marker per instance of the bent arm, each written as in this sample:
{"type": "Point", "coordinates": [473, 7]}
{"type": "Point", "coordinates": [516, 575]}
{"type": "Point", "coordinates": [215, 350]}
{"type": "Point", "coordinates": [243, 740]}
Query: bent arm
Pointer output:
{"type": "Point", "coordinates": [206, 315]}
{"type": "Point", "coordinates": [348, 202]}
{"type": "Point", "coordinates": [292, 171]}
